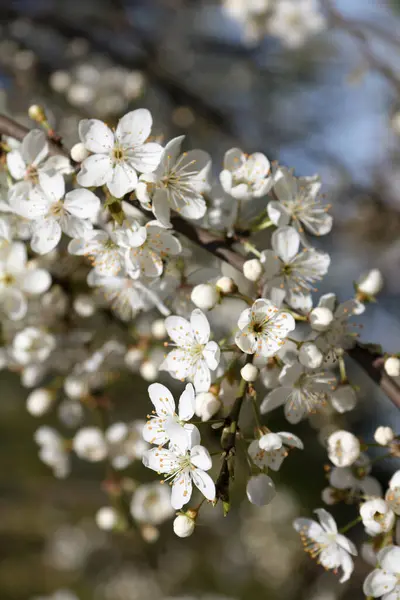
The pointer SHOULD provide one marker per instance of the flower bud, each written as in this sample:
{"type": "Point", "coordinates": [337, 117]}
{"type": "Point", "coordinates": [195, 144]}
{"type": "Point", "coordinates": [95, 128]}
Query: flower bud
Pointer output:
{"type": "Point", "coordinates": [158, 329]}
{"type": "Point", "coordinates": [84, 305]}
{"type": "Point", "coordinates": [183, 526]}
{"type": "Point", "coordinates": [226, 285]}
{"type": "Point", "coordinates": [343, 448]}
{"type": "Point", "coordinates": [133, 358]}
{"type": "Point", "coordinates": [75, 387]}
{"type": "Point", "coordinates": [310, 356]}
{"type": "Point", "coordinates": [89, 443]}
{"type": "Point", "coordinates": [344, 398]}
{"type": "Point", "coordinates": [329, 495]}
{"type": "Point", "coordinates": [320, 318]}
{"type": "Point", "coordinates": [371, 283]}
{"type": "Point", "coordinates": [249, 372]}
{"type": "Point", "coordinates": [384, 435]}
{"type": "Point", "coordinates": [149, 533]}
{"type": "Point", "coordinates": [252, 269]}
{"type": "Point", "coordinates": [39, 401]}
{"type": "Point", "coordinates": [78, 152]}
{"type": "Point", "coordinates": [207, 405]}
{"type": "Point", "coordinates": [106, 518]}
{"type": "Point", "coordinates": [205, 296]}
{"type": "Point", "coordinates": [392, 366]}
{"type": "Point", "coordinates": [36, 113]}
{"type": "Point", "coordinates": [148, 370]}
{"type": "Point", "coordinates": [260, 490]}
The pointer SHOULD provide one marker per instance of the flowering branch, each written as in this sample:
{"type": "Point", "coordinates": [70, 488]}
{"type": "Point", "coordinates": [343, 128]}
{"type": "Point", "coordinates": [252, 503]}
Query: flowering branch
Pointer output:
{"type": "Point", "coordinates": [222, 247]}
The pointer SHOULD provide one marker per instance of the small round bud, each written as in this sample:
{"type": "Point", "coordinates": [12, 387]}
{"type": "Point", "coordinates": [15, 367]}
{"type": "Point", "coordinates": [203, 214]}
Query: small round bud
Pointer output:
{"type": "Point", "coordinates": [320, 318]}
{"type": "Point", "coordinates": [183, 526]}
{"type": "Point", "coordinates": [133, 358]}
{"type": "Point", "coordinates": [371, 283]}
{"type": "Point", "coordinates": [148, 370]}
{"type": "Point", "coordinates": [205, 296]}
{"type": "Point", "coordinates": [384, 435]}
{"type": "Point", "coordinates": [392, 366]}
{"type": "Point", "coordinates": [75, 387]}
{"type": "Point", "coordinates": [249, 372]}
{"type": "Point", "coordinates": [149, 533]}
{"type": "Point", "coordinates": [328, 495]}
{"type": "Point", "coordinates": [207, 404]}
{"type": "Point", "coordinates": [106, 518]}
{"type": "Point", "coordinates": [36, 113]}
{"type": "Point", "coordinates": [252, 269]}
{"type": "Point", "coordinates": [344, 398]}
{"type": "Point", "coordinates": [310, 356]}
{"type": "Point", "coordinates": [260, 490]}
{"type": "Point", "coordinates": [84, 305]}
{"type": "Point", "coordinates": [78, 152]}
{"type": "Point", "coordinates": [89, 443]}
{"type": "Point", "coordinates": [39, 401]}
{"type": "Point", "coordinates": [226, 285]}
{"type": "Point", "coordinates": [158, 329]}
{"type": "Point", "coordinates": [343, 448]}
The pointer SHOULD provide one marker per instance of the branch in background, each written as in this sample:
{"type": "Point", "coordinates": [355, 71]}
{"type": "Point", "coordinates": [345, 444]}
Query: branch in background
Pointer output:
{"type": "Point", "coordinates": [222, 248]}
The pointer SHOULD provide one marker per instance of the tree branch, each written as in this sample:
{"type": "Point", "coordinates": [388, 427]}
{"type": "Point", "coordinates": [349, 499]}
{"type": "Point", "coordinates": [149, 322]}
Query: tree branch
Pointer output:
{"type": "Point", "coordinates": [222, 248]}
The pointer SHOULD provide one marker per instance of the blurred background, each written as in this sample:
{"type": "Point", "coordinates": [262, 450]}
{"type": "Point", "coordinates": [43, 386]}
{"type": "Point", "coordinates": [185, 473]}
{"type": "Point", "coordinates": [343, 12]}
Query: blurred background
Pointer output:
{"type": "Point", "coordinates": [209, 69]}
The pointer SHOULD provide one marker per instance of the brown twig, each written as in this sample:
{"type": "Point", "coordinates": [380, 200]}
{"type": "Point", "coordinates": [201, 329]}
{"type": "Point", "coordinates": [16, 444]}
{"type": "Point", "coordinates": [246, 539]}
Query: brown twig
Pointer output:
{"type": "Point", "coordinates": [222, 248]}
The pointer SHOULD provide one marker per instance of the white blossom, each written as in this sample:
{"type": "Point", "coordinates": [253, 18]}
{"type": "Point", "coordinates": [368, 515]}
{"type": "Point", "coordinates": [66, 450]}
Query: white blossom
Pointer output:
{"type": "Point", "coordinates": [384, 581]}
{"type": "Point", "coordinates": [53, 451]}
{"type": "Point", "coordinates": [294, 21]}
{"type": "Point", "coordinates": [355, 478]}
{"type": "Point", "coordinates": [298, 204]}
{"type": "Point", "coordinates": [106, 518]}
{"type": "Point", "coordinates": [371, 283]}
{"type": "Point", "coordinates": [289, 273]}
{"type": "Point", "coordinates": [125, 443]}
{"type": "Point", "coordinates": [151, 503]}
{"type": "Point", "coordinates": [207, 405]}
{"type": "Point", "coordinates": [245, 177]}
{"type": "Point", "coordinates": [323, 542]}
{"type": "Point", "coordinates": [39, 401]}
{"type": "Point", "coordinates": [183, 468]}
{"type": "Point", "coordinates": [19, 280]}
{"type": "Point", "coordinates": [195, 356]}
{"type": "Point", "coordinates": [376, 516]}
{"type": "Point", "coordinates": [165, 425]}
{"type": "Point", "coordinates": [392, 496]}
{"type": "Point", "coordinates": [118, 156]}
{"type": "Point", "coordinates": [178, 184]}
{"type": "Point", "coordinates": [344, 398]}
{"type": "Point", "coordinates": [262, 328]}
{"type": "Point", "coordinates": [343, 448]}
{"type": "Point", "coordinates": [32, 345]}
{"type": "Point", "coordinates": [310, 356]}
{"type": "Point", "coordinates": [272, 448]}
{"type": "Point", "coordinates": [302, 392]}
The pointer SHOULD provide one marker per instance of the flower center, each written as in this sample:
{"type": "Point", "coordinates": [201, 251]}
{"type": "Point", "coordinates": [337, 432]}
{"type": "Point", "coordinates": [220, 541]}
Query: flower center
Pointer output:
{"type": "Point", "coordinates": [7, 279]}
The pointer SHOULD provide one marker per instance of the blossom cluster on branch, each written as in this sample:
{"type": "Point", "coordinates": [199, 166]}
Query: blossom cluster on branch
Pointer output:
{"type": "Point", "coordinates": [76, 246]}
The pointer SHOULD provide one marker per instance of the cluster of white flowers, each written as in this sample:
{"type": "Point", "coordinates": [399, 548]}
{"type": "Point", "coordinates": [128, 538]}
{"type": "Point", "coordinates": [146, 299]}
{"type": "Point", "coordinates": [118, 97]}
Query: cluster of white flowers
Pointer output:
{"type": "Point", "coordinates": [75, 262]}
{"type": "Point", "coordinates": [291, 21]}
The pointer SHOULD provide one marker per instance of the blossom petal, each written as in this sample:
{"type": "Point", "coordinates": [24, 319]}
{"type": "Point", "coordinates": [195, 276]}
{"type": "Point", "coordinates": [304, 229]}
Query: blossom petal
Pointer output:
{"type": "Point", "coordinates": [135, 127]}
{"type": "Point", "coordinates": [146, 158]}
{"type": "Point", "coordinates": [161, 208]}
{"type": "Point", "coordinates": [124, 179]}
{"type": "Point", "coordinates": [181, 490]}
{"type": "Point", "coordinates": [34, 147]}
{"type": "Point", "coordinates": [187, 403]}
{"type": "Point", "coordinates": [16, 164]}
{"type": "Point", "coordinates": [212, 355]}
{"type": "Point", "coordinates": [291, 440]}
{"type": "Point", "coordinates": [326, 520]}
{"type": "Point", "coordinates": [82, 203]}
{"type": "Point", "coordinates": [160, 460]}
{"type": "Point", "coordinates": [162, 399]}
{"type": "Point", "coordinates": [275, 398]}
{"type": "Point", "coordinates": [278, 214]}
{"type": "Point", "coordinates": [200, 326]}
{"type": "Point", "coordinates": [389, 559]}
{"type": "Point", "coordinates": [178, 364]}
{"type": "Point", "coordinates": [379, 582]}
{"type": "Point", "coordinates": [96, 136]}
{"type": "Point", "coordinates": [179, 330]}
{"type": "Point", "coordinates": [46, 233]}
{"type": "Point", "coordinates": [204, 483]}
{"type": "Point", "coordinates": [285, 242]}
{"type": "Point", "coordinates": [14, 304]}
{"type": "Point", "coordinates": [200, 457]}
{"type": "Point", "coordinates": [202, 377]}
{"type": "Point", "coordinates": [246, 340]}
{"type": "Point", "coordinates": [96, 170]}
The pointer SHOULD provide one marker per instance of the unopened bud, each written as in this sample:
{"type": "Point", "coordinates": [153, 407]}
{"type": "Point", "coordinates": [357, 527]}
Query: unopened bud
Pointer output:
{"type": "Point", "coordinates": [78, 152]}
{"type": "Point", "coordinates": [384, 435]}
{"type": "Point", "coordinates": [183, 526]}
{"type": "Point", "coordinates": [392, 366]}
{"type": "Point", "coordinates": [205, 296]}
{"type": "Point", "coordinates": [36, 113]}
{"type": "Point", "coordinates": [148, 370]}
{"type": "Point", "coordinates": [320, 318]}
{"type": "Point", "coordinates": [158, 329]}
{"type": "Point", "coordinates": [260, 490]}
{"type": "Point", "coordinates": [39, 401]}
{"type": "Point", "coordinates": [226, 285]}
{"type": "Point", "coordinates": [106, 518]}
{"type": "Point", "coordinates": [249, 372]}
{"type": "Point", "coordinates": [252, 269]}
